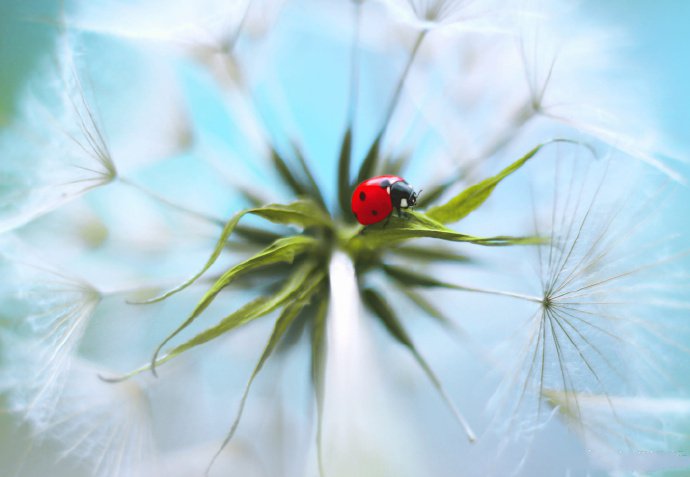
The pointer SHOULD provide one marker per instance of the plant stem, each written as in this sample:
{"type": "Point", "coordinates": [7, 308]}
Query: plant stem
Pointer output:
{"type": "Point", "coordinates": [401, 82]}
{"type": "Point", "coordinates": [354, 68]}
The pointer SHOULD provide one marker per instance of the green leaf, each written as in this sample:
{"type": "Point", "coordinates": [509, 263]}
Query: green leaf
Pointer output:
{"type": "Point", "coordinates": [412, 278]}
{"type": "Point", "coordinates": [378, 305]}
{"type": "Point", "coordinates": [314, 190]}
{"type": "Point", "coordinates": [286, 318]}
{"type": "Point", "coordinates": [344, 186]}
{"type": "Point", "coordinates": [252, 197]}
{"type": "Point", "coordinates": [286, 175]}
{"type": "Point", "coordinates": [303, 213]}
{"type": "Point", "coordinates": [418, 225]}
{"type": "Point", "coordinates": [256, 235]}
{"type": "Point", "coordinates": [225, 234]}
{"type": "Point", "coordinates": [433, 193]}
{"type": "Point", "coordinates": [257, 308]}
{"type": "Point", "coordinates": [254, 309]}
{"type": "Point", "coordinates": [318, 373]}
{"type": "Point", "coordinates": [282, 250]}
{"type": "Point", "coordinates": [264, 278]}
{"type": "Point", "coordinates": [429, 309]}
{"type": "Point", "coordinates": [370, 162]}
{"type": "Point", "coordinates": [396, 165]}
{"type": "Point", "coordinates": [431, 254]}
{"type": "Point", "coordinates": [471, 198]}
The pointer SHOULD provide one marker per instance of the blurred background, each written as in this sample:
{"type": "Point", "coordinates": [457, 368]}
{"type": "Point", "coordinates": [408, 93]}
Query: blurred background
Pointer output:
{"type": "Point", "coordinates": [657, 41]}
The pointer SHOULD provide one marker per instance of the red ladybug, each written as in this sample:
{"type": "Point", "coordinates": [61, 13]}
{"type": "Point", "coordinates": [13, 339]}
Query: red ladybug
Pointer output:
{"type": "Point", "coordinates": [375, 198]}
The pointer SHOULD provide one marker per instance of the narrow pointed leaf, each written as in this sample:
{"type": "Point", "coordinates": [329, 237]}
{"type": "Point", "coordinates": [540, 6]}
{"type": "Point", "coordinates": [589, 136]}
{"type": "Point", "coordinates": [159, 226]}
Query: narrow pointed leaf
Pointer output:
{"type": "Point", "coordinates": [378, 305]}
{"type": "Point", "coordinates": [370, 163]}
{"type": "Point", "coordinates": [433, 193]}
{"type": "Point", "coordinates": [263, 278]}
{"type": "Point", "coordinates": [427, 307]}
{"type": "Point", "coordinates": [257, 308]}
{"type": "Point", "coordinates": [252, 197]}
{"type": "Point", "coordinates": [431, 254]}
{"type": "Point", "coordinates": [256, 235]}
{"type": "Point", "coordinates": [249, 312]}
{"type": "Point", "coordinates": [474, 196]}
{"type": "Point", "coordinates": [303, 213]}
{"type": "Point", "coordinates": [318, 373]}
{"type": "Point", "coordinates": [412, 278]}
{"type": "Point", "coordinates": [418, 225]}
{"type": "Point", "coordinates": [314, 190]}
{"type": "Point", "coordinates": [286, 175]}
{"type": "Point", "coordinates": [283, 250]}
{"type": "Point", "coordinates": [225, 234]}
{"type": "Point", "coordinates": [344, 186]}
{"type": "Point", "coordinates": [396, 165]}
{"type": "Point", "coordinates": [286, 318]}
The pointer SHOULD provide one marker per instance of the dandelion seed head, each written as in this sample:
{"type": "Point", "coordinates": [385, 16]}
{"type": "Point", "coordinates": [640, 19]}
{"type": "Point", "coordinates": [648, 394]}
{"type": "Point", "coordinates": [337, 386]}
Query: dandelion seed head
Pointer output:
{"type": "Point", "coordinates": [52, 314]}
{"type": "Point", "coordinates": [198, 24]}
{"type": "Point", "coordinates": [106, 428]}
{"type": "Point", "coordinates": [463, 15]}
{"type": "Point", "coordinates": [600, 326]}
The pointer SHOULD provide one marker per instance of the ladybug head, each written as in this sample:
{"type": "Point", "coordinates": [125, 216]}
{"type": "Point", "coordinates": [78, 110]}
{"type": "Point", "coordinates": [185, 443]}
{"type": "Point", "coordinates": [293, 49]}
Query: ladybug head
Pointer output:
{"type": "Point", "coordinates": [412, 201]}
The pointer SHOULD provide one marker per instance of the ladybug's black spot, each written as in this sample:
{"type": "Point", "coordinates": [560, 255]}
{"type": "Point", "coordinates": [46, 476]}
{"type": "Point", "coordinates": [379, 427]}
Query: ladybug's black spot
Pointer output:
{"type": "Point", "coordinates": [384, 183]}
{"type": "Point", "coordinates": [374, 212]}
{"type": "Point", "coordinates": [362, 196]}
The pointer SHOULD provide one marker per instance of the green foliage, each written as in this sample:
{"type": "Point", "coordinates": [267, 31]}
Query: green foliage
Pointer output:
{"type": "Point", "coordinates": [303, 213]}
{"type": "Point", "coordinates": [286, 174]}
{"type": "Point", "coordinates": [430, 254]}
{"type": "Point", "coordinates": [308, 279]}
{"type": "Point", "coordinates": [368, 167]}
{"type": "Point", "coordinates": [344, 186]}
{"type": "Point", "coordinates": [427, 307]}
{"type": "Point", "coordinates": [309, 286]}
{"type": "Point", "coordinates": [283, 250]}
{"type": "Point", "coordinates": [419, 225]}
{"type": "Point", "coordinates": [380, 307]}
{"type": "Point", "coordinates": [312, 187]}
{"type": "Point", "coordinates": [474, 196]}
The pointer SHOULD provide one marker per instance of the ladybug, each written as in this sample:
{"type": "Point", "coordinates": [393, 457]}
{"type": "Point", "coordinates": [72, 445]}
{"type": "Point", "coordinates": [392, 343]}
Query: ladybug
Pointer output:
{"type": "Point", "coordinates": [374, 199]}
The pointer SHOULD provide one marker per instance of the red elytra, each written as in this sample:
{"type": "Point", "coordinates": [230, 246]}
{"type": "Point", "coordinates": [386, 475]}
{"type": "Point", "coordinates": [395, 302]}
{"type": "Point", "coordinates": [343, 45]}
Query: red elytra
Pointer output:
{"type": "Point", "coordinates": [371, 200]}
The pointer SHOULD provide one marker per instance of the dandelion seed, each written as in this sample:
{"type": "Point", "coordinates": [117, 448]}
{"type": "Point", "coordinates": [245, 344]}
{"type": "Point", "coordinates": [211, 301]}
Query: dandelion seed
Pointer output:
{"type": "Point", "coordinates": [597, 322]}
{"type": "Point", "coordinates": [649, 433]}
{"type": "Point", "coordinates": [552, 58]}
{"type": "Point", "coordinates": [465, 15]}
{"type": "Point", "coordinates": [199, 25]}
{"type": "Point", "coordinates": [74, 155]}
{"type": "Point", "coordinates": [44, 337]}
{"type": "Point", "coordinates": [107, 429]}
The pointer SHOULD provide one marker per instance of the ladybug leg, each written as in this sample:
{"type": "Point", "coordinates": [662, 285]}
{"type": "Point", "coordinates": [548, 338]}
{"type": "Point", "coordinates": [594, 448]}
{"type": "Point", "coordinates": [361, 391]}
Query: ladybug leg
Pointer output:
{"type": "Point", "coordinates": [387, 220]}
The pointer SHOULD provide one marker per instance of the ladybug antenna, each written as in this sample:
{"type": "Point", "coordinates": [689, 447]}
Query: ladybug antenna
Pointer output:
{"type": "Point", "coordinates": [415, 197]}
